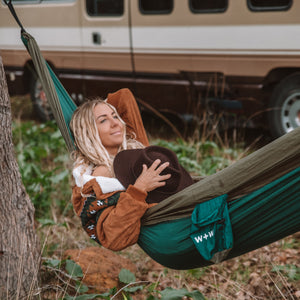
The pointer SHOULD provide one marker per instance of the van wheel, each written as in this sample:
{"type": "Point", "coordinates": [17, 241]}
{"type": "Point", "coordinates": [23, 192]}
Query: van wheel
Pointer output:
{"type": "Point", "coordinates": [38, 97]}
{"type": "Point", "coordinates": [284, 107]}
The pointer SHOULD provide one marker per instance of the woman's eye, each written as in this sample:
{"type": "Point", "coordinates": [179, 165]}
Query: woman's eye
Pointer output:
{"type": "Point", "coordinates": [102, 121]}
{"type": "Point", "coordinates": [116, 117]}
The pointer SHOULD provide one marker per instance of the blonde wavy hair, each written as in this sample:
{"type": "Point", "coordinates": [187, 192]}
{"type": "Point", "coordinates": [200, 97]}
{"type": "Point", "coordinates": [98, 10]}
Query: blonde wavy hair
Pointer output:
{"type": "Point", "coordinates": [90, 150]}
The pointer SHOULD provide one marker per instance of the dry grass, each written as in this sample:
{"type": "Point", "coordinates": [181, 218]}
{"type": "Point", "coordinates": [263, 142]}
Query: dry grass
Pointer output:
{"type": "Point", "coordinates": [250, 276]}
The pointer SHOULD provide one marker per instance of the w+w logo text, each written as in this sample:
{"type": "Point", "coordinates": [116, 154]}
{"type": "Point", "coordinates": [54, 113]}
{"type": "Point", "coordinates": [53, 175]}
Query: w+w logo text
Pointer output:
{"type": "Point", "coordinates": [199, 238]}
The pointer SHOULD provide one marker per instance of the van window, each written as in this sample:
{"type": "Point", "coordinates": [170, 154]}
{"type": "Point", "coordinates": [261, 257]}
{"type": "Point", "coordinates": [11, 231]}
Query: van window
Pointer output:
{"type": "Point", "coordinates": [24, 1]}
{"type": "Point", "coordinates": [208, 6]}
{"type": "Point", "coordinates": [105, 7]}
{"type": "Point", "coordinates": [264, 5]}
{"type": "Point", "coordinates": [156, 6]}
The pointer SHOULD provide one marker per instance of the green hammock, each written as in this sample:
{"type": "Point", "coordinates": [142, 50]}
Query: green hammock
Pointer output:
{"type": "Point", "coordinates": [61, 104]}
{"type": "Point", "coordinates": [260, 218]}
{"type": "Point", "coordinates": [262, 191]}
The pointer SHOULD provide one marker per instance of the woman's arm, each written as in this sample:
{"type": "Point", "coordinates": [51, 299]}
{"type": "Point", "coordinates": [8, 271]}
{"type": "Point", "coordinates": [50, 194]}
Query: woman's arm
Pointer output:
{"type": "Point", "coordinates": [119, 226]}
{"type": "Point", "coordinates": [115, 226]}
{"type": "Point", "coordinates": [125, 103]}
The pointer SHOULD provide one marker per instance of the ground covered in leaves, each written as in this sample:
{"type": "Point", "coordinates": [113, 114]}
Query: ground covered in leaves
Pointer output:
{"type": "Point", "coordinates": [271, 272]}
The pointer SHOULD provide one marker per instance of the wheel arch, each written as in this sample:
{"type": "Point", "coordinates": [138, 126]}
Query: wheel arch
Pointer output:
{"type": "Point", "coordinates": [282, 109]}
{"type": "Point", "coordinates": [277, 75]}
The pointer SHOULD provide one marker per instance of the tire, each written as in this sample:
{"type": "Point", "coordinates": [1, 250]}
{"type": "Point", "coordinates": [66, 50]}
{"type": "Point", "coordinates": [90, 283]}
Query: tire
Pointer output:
{"type": "Point", "coordinates": [284, 106]}
{"type": "Point", "coordinates": [39, 101]}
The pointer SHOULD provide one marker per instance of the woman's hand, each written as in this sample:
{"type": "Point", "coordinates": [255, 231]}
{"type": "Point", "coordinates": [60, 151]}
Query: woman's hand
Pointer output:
{"type": "Point", "coordinates": [150, 178]}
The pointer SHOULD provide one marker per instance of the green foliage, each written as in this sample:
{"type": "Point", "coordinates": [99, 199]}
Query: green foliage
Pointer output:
{"type": "Point", "coordinates": [49, 222]}
{"type": "Point", "coordinates": [125, 276]}
{"type": "Point", "coordinates": [83, 297]}
{"type": "Point", "coordinates": [55, 263]}
{"type": "Point", "coordinates": [73, 271]}
{"type": "Point", "coordinates": [201, 158]}
{"type": "Point", "coordinates": [128, 278]}
{"type": "Point", "coordinates": [291, 271]}
{"type": "Point", "coordinates": [290, 244]}
{"type": "Point", "coordinates": [197, 273]}
{"type": "Point", "coordinates": [172, 294]}
{"type": "Point", "coordinates": [42, 157]}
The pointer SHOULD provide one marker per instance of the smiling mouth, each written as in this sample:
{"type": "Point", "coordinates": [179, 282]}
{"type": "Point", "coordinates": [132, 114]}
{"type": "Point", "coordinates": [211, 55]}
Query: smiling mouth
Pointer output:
{"type": "Point", "coordinates": [116, 133]}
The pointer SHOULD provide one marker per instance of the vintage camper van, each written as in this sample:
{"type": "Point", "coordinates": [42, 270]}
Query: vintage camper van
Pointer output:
{"type": "Point", "coordinates": [231, 57]}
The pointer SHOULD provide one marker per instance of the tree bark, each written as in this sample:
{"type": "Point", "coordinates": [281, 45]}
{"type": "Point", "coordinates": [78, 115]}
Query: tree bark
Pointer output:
{"type": "Point", "coordinates": [19, 247]}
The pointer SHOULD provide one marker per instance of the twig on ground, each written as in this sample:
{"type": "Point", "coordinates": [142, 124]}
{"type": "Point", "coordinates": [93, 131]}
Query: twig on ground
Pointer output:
{"type": "Point", "coordinates": [129, 284]}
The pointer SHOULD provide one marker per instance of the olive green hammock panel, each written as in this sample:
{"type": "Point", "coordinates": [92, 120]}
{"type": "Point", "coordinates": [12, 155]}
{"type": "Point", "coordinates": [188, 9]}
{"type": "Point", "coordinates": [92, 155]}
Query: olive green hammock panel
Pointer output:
{"type": "Point", "coordinates": [260, 218]}
{"type": "Point", "coordinates": [262, 190]}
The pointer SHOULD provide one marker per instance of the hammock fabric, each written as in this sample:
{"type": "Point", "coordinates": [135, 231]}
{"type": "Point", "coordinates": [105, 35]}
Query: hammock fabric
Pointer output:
{"type": "Point", "coordinates": [260, 218]}
{"type": "Point", "coordinates": [262, 190]}
{"type": "Point", "coordinates": [62, 105]}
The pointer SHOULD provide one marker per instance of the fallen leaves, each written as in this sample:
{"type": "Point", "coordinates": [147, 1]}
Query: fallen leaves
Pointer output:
{"type": "Point", "coordinates": [271, 272]}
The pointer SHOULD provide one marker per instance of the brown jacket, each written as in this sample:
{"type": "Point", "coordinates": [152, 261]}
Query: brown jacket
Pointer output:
{"type": "Point", "coordinates": [113, 218]}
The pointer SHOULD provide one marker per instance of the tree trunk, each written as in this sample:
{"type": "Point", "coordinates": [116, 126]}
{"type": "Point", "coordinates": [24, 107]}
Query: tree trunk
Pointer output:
{"type": "Point", "coordinates": [19, 247]}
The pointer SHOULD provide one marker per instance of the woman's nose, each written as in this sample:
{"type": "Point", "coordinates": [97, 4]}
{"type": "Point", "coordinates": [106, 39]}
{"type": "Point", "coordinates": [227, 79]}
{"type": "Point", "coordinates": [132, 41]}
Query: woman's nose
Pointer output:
{"type": "Point", "coordinates": [114, 122]}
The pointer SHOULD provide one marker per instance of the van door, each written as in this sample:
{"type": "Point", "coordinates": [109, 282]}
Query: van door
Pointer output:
{"type": "Point", "coordinates": [106, 46]}
{"type": "Point", "coordinates": [158, 58]}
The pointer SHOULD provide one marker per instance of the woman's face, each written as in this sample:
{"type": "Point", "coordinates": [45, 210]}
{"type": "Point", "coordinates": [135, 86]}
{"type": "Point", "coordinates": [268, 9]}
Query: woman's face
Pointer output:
{"type": "Point", "coordinates": [109, 127]}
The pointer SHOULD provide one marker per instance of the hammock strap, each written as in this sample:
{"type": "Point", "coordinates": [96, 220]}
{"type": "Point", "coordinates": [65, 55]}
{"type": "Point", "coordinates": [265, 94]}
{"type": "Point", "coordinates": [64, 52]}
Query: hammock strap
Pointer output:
{"type": "Point", "coordinates": [13, 12]}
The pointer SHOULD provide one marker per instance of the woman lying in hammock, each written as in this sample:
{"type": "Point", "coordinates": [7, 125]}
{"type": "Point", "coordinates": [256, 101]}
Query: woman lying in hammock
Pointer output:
{"type": "Point", "coordinates": [111, 213]}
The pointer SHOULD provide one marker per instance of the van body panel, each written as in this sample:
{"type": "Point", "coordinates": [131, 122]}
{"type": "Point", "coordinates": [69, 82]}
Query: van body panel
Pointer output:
{"type": "Point", "coordinates": [230, 64]}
